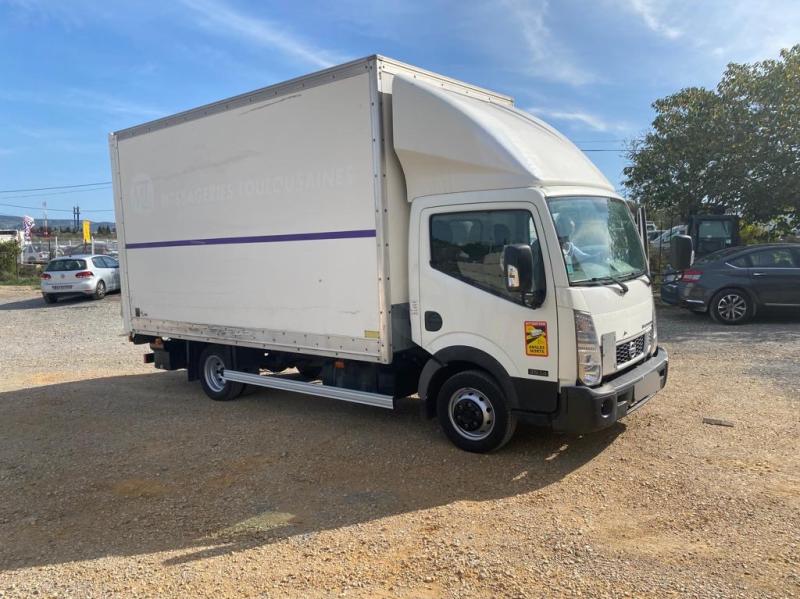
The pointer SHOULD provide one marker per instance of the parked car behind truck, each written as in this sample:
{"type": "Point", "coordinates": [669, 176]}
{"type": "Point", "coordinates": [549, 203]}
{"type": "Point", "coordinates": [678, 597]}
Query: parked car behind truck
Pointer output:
{"type": "Point", "coordinates": [393, 232]}
{"type": "Point", "coordinates": [732, 285]}
{"type": "Point", "coordinates": [90, 275]}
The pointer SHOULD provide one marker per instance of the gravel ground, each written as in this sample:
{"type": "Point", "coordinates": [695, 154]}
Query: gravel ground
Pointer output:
{"type": "Point", "coordinates": [116, 479]}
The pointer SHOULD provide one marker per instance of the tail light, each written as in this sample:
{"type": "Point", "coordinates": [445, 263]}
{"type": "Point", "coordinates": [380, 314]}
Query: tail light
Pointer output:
{"type": "Point", "coordinates": [44, 275]}
{"type": "Point", "coordinates": [691, 275]}
{"type": "Point", "coordinates": [84, 274]}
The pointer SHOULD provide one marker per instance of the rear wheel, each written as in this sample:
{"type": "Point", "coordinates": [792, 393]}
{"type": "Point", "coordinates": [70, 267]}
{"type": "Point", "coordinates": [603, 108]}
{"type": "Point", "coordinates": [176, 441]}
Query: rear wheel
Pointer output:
{"type": "Point", "coordinates": [49, 298]}
{"type": "Point", "coordinates": [474, 413]}
{"type": "Point", "coordinates": [100, 290]}
{"type": "Point", "coordinates": [213, 362]}
{"type": "Point", "coordinates": [731, 306]}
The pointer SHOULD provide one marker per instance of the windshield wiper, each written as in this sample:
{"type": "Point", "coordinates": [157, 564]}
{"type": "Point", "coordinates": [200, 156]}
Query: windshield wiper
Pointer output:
{"type": "Point", "coordinates": [622, 285]}
{"type": "Point", "coordinates": [608, 279]}
{"type": "Point", "coordinates": [648, 278]}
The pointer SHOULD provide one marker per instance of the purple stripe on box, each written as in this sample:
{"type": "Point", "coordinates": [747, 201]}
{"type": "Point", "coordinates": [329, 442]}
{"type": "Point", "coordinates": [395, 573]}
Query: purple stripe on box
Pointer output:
{"type": "Point", "coordinates": [254, 239]}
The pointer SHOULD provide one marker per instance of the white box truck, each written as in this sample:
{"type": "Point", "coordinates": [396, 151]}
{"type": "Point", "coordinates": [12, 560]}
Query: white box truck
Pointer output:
{"type": "Point", "coordinates": [386, 231]}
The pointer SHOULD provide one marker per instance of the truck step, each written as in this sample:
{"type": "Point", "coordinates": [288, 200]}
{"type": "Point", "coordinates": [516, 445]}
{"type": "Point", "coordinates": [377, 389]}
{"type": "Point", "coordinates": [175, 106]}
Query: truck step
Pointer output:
{"type": "Point", "coordinates": [276, 382]}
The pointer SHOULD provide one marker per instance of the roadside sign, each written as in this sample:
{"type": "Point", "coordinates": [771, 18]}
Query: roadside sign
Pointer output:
{"type": "Point", "coordinates": [87, 231]}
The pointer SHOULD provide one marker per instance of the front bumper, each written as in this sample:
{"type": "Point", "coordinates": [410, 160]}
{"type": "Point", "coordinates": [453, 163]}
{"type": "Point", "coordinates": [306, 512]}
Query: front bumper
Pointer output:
{"type": "Point", "coordinates": [587, 409]}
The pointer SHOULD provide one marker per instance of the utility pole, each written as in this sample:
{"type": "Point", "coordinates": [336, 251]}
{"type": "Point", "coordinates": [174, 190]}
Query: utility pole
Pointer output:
{"type": "Point", "coordinates": [44, 207]}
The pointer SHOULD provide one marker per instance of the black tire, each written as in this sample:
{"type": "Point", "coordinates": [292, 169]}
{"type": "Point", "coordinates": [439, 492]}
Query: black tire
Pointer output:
{"type": "Point", "coordinates": [731, 306]}
{"type": "Point", "coordinates": [49, 298]}
{"type": "Point", "coordinates": [474, 413]}
{"type": "Point", "coordinates": [212, 360]}
{"type": "Point", "coordinates": [99, 290]}
{"type": "Point", "coordinates": [309, 370]}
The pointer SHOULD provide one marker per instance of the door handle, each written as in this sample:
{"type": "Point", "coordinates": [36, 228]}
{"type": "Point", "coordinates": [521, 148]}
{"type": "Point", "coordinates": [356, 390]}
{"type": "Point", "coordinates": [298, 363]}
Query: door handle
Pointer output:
{"type": "Point", "coordinates": [759, 274]}
{"type": "Point", "coordinates": [433, 321]}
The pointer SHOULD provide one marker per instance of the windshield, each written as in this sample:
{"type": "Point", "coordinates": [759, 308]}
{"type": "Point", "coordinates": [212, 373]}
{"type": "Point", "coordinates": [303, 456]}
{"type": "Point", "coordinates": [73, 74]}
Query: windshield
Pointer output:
{"type": "Point", "coordinates": [598, 239]}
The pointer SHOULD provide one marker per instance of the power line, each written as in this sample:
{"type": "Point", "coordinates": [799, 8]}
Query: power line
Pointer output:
{"type": "Point", "coordinates": [598, 141]}
{"type": "Point", "coordinates": [52, 193]}
{"type": "Point", "coordinates": [55, 187]}
{"type": "Point", "coordinates": [52, 209]}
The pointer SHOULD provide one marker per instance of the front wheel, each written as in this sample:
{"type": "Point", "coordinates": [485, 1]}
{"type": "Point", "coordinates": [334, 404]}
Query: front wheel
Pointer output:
{"type": "Point", "coordinates": [213, 362]}
{"type": "Point", "coordinates": [731, 306]}
{"type": "Point", "coordinates": [474, 413]}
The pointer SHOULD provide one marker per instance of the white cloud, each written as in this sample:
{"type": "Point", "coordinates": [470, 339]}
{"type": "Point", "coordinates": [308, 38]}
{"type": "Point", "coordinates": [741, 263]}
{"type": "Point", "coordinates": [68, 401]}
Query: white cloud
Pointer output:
{"type": "Point", "coordinates": [546, 57]}
{"type": "Point", "coordinates": [67, 14]}
{"type": "Point", "coordinates": [84, 99]}
{"type": "Point", "coordinates": [223, 17]}
{"type": "Point", "coordinates": [654, 17]}
{"type": "Point", "coordinates": [584, 120]}
{"type": "Point", "coordinates": [109, 104]}
{"type": "Point", "coordinates": [724, 30]}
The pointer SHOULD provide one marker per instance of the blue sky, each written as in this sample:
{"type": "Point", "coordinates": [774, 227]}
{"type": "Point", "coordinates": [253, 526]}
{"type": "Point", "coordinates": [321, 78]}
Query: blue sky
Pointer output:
{"type": "Point", "coordinates": [70, 72]}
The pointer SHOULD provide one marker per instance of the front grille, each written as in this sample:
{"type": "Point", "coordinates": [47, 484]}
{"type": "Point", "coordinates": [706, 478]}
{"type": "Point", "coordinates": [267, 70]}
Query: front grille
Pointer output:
{"type": "Point", "coordinates": [630, 349]}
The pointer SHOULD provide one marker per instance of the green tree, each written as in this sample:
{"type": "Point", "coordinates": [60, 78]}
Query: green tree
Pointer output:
{"type": "Point", "coordinates": [736, 148]}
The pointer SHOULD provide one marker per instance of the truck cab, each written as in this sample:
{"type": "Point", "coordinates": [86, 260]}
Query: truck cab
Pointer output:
{"type": "Point", "coordinates": [713, 232]}
{"type": "Point", "coordinates": [544, 287]}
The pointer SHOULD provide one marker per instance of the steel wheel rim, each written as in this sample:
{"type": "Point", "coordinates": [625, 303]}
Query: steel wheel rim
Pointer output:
{"type": "Point", "coordinates": [732, 307]}
{"type": "Point", "coordinates": [212, 371]}
{"type": "Point", "coordinates": [471, 414]}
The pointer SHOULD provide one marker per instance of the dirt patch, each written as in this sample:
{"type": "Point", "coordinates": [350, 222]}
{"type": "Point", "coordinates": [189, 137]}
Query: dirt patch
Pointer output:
{"type": "Point", "coordinates": [116, 479]}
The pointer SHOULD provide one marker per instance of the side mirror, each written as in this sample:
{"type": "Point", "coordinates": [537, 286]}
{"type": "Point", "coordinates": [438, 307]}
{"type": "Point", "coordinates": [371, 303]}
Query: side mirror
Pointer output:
{"type": "Point", "coordinates": [518, 267]}
{"type": "Point", "coordinates": [682, 250]}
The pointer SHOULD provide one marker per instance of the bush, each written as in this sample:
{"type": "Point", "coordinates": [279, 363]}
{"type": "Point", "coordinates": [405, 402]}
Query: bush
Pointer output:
{"type": "Point", "coordinates": [9, 255]}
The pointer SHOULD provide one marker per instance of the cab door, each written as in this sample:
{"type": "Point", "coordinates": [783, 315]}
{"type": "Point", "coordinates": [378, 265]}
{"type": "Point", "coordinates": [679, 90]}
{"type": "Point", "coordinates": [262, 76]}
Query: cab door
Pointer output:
{"type": "Point", "coordinates": [463, 299]}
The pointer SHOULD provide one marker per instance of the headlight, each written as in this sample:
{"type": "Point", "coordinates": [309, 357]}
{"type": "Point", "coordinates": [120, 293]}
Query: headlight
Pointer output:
{"type": "Point", "coordinates": [653, 336]}
{"type": "Point", "coordinates": [590, 369]}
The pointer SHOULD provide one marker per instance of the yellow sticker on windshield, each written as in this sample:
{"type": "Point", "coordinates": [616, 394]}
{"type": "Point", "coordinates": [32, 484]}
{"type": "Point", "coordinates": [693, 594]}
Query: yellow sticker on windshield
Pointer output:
{"type": "Point", "coordinates": [536, 338]}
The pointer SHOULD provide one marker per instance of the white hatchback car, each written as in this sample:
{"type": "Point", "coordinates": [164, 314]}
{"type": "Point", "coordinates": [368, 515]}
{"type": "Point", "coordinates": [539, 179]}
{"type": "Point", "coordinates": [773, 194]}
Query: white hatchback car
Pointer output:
{"type": "Point", "coordinates": [93, 275]}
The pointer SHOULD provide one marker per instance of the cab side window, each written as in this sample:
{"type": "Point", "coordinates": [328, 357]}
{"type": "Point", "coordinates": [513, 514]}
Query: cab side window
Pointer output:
{"type": "Point", "coordinates": [469, 246]}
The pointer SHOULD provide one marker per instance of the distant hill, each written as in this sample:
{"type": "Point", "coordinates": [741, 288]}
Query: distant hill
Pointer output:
{"type": "Point", "coordinates": [15, 222]}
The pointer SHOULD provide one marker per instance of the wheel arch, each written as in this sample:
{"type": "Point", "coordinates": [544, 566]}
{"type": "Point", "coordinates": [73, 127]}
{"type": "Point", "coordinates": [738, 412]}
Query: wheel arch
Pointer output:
{"type": "Point", "coordinates": [458, 358]}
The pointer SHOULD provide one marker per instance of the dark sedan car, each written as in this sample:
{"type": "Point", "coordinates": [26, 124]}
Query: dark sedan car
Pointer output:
{"type": "Point", "coordinates": [732, 284]}
{"type": "Point", "coordinates": [669, 287]}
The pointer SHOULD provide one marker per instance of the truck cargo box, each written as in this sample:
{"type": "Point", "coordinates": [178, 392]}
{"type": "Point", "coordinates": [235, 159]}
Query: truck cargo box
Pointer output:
{"type": "Point", "coordinates": [271, 219]}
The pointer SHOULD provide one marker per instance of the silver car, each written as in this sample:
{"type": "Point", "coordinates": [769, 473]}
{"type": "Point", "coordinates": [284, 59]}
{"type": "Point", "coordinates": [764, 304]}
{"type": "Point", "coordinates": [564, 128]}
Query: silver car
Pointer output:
{"type": "Point", "coordinates": [93, 275]}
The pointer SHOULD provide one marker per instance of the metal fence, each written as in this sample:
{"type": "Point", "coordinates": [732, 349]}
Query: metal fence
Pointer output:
{"type": "Point", "coordinates": [659, 241]}
{"type": "Point", "coordinates": [41, 251]}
